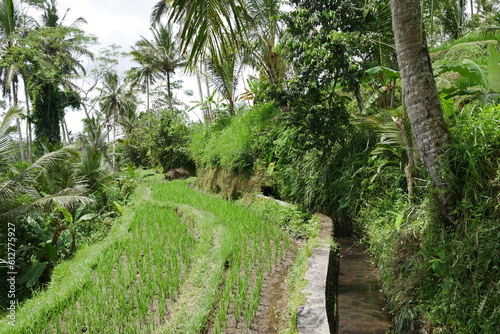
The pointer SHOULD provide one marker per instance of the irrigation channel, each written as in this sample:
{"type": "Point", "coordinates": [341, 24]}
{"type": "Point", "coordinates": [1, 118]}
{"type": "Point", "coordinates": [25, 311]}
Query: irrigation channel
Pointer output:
{"type": "Point", "coordinates": [360, 302]}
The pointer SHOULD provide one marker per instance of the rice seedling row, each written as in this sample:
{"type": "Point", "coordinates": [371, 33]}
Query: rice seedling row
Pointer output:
{"type": "Point", "coordinates": [188, 263]}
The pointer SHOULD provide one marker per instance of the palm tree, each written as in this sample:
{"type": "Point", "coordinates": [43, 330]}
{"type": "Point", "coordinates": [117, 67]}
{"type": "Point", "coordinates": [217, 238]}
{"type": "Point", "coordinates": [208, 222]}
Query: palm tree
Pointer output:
{"type": "Point", "coordinates": [57, 47]}
{"type": "Point", "coordinates": [204, 25]}
{"type": "Point", "coordinates": [11, 23]}
{"type": "Point", "coordinates": [51, 18]}
{"type": "Point", "coordinates": [165, 52]}
{"type": "Point", "coordinates": [6, 144]}
{"type": "Point", "coordinates": [23, 185]}
{"type": "Point", "coordinates": [226, 34]}
{"type": "Point", "coordinates": [224, 66]}
{"type": "Point", "coordinates": [115, 100]}
{"type": "Point", "coordinates": [145, 74]}
{"type": "Point", "coordinates": [94, 137]}
{"type": "Point", "coordinates": [262, 52]}
{"type": "Point", "coordinates": [421, 100]}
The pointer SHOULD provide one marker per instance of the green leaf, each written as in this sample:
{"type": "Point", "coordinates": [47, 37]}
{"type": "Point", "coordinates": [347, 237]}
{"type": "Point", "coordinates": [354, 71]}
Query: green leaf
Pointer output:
{"type": "Point", "coordinates": [389, 72]}
{"type": "Point", "coordinates": [438, 267]}
{"type": "Point", "coordinates": [270, 168]}
{"type": "Point", "coordinates": [493, 68]}
{"type": "Point", "coordinates": [67, 215]}
{"type": "Point", "coordinates": [88, 216]}
{"type": "Point", "coordinates": [118, 207]}
{"type": "Point", "coordinates": [31, 276]}
{"type": "Point", "coordinates": [51, 251]}
{"type": "Point", "coordinates": [399, 220]}
{"type": "Point", "coordinates": [465, 71]}
{"type": "Point", "coordinates": [440, 252]}
{"type": "Point", "coordinates": [40, 233]}
{"type": "Point", "coordinates": [477, 72]}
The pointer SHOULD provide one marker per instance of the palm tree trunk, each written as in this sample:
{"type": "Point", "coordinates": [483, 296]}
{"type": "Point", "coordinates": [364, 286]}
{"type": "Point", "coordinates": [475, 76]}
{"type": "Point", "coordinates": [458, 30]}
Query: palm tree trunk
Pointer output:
{"type": "Point", "coordinates": [169, 92]}
{"type": "Point", "coordinates": [66, 130]}
{"type": "Point", "coordinates": [18, 122]}
{"type": "Point", "coordinates": [114, 147]}
{"type": "Point", "coordinates": [29, 133]}
{"type": "Point", "coordinates": [20, 135]}
{"type": "Point", "coordinates": [207, 85]}
{"type": "Point", "coordinates": [422, 103]}
{"type": "Point", "coordinates": [206, 112]}
{"type": "Point", "coordinates": [147, 103]}
{"type": "Point", "coordinates": [400, 122]}
{"type": "Point", "coordinates": [63, 131]}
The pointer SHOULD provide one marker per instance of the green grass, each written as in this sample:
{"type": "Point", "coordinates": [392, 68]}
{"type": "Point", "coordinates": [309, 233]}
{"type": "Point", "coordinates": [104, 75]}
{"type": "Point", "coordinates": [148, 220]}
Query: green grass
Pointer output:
{"type": "Point", "coordinates": [177, 261]}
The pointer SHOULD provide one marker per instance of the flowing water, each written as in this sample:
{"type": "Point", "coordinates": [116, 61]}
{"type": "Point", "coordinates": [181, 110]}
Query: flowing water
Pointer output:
{"type": "Point", "coordinates": [360, 303]}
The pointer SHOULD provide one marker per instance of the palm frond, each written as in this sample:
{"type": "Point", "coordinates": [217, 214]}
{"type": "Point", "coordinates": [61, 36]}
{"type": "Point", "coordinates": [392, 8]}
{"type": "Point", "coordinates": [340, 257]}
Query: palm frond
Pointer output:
{"type": "Point", "coordinates": [21, 183]}
{"type": "Point", "coordinates": [10, 116]}
{"type": "Point", "coordinates": [66, 198]}
{"type": "Point", "coordinates": [491, 32]}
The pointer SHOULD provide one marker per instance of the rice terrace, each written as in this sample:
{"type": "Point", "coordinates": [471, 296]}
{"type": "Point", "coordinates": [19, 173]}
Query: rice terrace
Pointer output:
{"type": "Point", "coordinates": [179, 261]}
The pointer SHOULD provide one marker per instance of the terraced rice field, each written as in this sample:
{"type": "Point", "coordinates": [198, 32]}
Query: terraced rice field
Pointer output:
{"type": "Point", "coordinates": [178, 261]}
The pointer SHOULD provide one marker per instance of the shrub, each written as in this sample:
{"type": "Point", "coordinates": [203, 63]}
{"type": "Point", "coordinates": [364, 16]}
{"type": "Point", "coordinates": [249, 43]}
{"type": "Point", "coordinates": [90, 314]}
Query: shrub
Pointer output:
{"type": "Point", "coordinates": [233, 145]}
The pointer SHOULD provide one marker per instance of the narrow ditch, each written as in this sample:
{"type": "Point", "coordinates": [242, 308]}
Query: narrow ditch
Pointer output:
{"type": "Point", "coordinates": [359, 300]}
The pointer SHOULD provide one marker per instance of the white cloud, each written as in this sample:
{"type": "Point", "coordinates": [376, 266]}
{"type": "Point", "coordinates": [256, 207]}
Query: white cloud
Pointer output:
{"type": "Point", "coordinates": [113, 22]}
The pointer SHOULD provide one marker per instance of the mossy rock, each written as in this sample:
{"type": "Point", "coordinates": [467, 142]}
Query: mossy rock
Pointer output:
{"type": "Point", "coordinates": [230, 184]}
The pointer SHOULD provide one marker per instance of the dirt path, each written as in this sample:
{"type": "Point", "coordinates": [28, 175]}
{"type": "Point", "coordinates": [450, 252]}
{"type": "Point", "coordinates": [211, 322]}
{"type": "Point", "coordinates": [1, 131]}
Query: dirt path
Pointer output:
{"type": "Point", "coordinates": [269, 317]}
{"type": "Point", "coordinates": [359, 299]}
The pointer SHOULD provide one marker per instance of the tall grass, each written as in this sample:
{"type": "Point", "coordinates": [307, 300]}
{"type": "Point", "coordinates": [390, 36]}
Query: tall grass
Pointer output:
{"type": "Point", "coordinates": [234, 146]}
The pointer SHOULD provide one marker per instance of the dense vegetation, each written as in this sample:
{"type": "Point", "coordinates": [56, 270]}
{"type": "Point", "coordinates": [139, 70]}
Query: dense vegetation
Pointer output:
{"type": "Point", "coordinates": [328, 122]}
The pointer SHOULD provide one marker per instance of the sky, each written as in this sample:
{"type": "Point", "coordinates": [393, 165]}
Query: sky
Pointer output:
{"type": "Point", "coordinates": [112, 21]}
{"type": "Point", "coordinates": [120, 22]}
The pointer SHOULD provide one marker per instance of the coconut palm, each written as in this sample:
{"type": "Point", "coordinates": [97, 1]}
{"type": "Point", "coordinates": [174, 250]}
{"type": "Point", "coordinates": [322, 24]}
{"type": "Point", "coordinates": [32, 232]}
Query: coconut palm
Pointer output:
{"type": "Point", "coordinates": [6, 143]}
{"type": "Point", "coordinates": [57, 47]}
{"type": "Point", "coordinates": [115, 100]}
{"type": "Point", "coordinates": [165, 53]}
{"type": "Point", "coordinates": [204, 25]}
{"type": "Point", "coordinates": [11, 24]}
{"type": "Point", "coordinates": [422, 103]}
{"type": "Point", "coordinates": [94, 137]}
{"type": "Point", "coordinates": [224, 66]}
{"type": "Point", "coordinates": [144, 75]}
{"type": "Point", "coordinates": [261, 50]}
{"type": "Point", "coordinates": [225, 35]}
{"type": "Point", "coordinates": [50, 16]}
{"type": "Point", "coordinates": [21, 193]}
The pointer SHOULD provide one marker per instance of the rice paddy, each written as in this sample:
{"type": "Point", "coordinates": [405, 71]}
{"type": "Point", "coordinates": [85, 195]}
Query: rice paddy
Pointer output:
{"type": "Point", "coordinates": [184, 262]}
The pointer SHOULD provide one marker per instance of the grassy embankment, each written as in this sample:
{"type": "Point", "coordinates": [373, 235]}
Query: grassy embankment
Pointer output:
{"type": "Point", "coordinates": [178, 261]}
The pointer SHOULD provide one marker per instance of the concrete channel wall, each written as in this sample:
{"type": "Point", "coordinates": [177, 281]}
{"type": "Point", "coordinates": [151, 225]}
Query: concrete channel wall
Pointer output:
{"type": "Point", "coordinates": [318, 314]}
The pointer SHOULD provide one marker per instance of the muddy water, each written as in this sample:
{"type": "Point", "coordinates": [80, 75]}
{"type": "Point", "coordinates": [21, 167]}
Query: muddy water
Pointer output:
{"type": "Point", "coordinates": [359, 301]}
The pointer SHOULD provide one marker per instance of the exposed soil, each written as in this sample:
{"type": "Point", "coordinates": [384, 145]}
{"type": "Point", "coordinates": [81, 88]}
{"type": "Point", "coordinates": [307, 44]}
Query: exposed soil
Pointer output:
{"type": "Point", "coordinates": [270, 313]}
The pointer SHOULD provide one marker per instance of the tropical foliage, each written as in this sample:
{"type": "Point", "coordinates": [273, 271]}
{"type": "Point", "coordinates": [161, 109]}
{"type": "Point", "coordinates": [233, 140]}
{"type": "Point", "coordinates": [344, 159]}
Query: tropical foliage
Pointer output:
{"type": "Point", "coordinates": [331, 118]}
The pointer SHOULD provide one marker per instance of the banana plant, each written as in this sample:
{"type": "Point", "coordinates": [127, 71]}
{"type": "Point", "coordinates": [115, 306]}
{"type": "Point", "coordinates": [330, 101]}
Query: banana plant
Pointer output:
{"type": "Point", "coordinates": [51, 244]}
{"type": "Point", "coordinates": [487, 81]}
